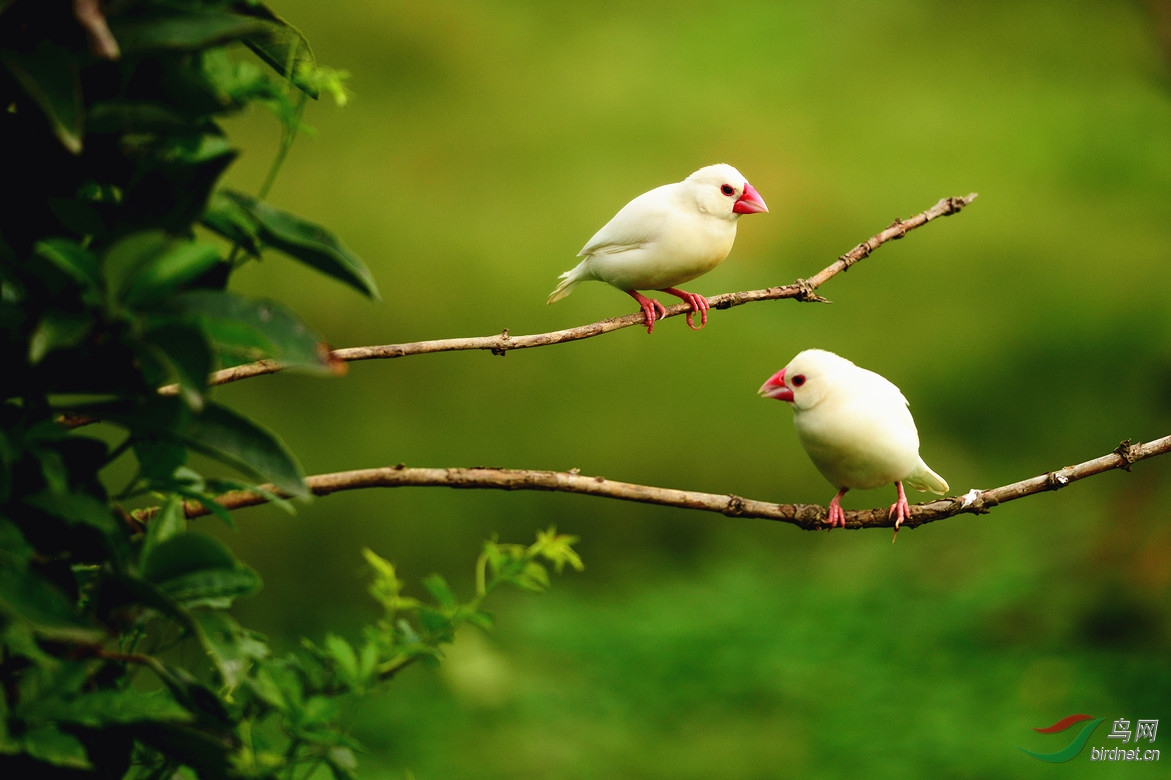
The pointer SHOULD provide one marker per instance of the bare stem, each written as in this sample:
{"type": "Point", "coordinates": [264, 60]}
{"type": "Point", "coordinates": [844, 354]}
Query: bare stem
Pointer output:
{"type": "Point", "coordinates": [806, 516]}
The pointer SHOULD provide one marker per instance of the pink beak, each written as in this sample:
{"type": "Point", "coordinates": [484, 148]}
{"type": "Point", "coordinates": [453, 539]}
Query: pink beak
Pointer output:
{"type": "Point", "coordinates": [750, 202]}
{"type": "Point", "coordinates": [776, 388]}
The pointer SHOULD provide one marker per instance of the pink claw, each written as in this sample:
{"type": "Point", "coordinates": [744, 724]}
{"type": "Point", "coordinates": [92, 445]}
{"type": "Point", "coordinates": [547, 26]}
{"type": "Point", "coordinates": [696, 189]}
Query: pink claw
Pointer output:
{"type": "Point", "coordinates": [899, 510]}
{"type": "Point", "coordinates": [649, 308]}
{"type": "Point", "coordinates": [698, 304]}
{"type": "Point", "coordinates": [837, 516]}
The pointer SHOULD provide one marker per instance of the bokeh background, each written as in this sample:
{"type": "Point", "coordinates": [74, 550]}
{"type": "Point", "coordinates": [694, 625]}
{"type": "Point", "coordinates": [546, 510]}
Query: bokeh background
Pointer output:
{"type": "Point", "coordinates": [486, 141]}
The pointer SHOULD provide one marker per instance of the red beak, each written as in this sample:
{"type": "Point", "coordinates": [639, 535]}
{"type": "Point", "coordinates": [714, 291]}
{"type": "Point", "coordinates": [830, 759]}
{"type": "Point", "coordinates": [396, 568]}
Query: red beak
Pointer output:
{"type": "Point", "coordinates": [750, 202]}
{"type": "Point", "coordinates": [776, 388]}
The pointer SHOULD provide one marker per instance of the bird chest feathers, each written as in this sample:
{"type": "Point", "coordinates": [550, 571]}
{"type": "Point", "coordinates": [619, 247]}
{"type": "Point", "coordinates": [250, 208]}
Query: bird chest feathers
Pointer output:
{"type": "Point", "coordinates": [859, 444]}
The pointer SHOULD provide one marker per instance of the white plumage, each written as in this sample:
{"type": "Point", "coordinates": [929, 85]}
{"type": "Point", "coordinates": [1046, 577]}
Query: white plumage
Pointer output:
{"type": "Point", "coordinates": [666, 237]}
{"type": "Point", "coordinates": [855, 426]}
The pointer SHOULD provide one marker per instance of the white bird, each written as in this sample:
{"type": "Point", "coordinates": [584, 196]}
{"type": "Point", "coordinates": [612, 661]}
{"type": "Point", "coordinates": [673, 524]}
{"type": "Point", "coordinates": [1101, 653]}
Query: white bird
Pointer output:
{"type": "Point", "coordinates": [855, 427]}
{"type": "Point", "coordinates": [666, 237]}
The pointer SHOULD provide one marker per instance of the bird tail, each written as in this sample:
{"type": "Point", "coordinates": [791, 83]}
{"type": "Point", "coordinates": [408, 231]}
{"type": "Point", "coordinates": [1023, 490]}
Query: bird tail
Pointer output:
{"type": "Point", "coordinates": [923, 478]}
{"type": "Point", "coordinates": [569, 280]}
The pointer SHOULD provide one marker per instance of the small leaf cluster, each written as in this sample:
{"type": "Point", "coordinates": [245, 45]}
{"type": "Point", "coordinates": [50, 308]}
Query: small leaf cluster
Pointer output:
{"type": "Point", "coordinates": [118, 656]}
{"type": "Point", "coordinates": [412, 630]}
{"type": "Point", "coordinates": [292, 704]}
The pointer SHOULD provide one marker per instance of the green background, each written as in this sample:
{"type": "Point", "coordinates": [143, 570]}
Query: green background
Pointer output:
{"type": "Point", "coordinates": [486, 141]}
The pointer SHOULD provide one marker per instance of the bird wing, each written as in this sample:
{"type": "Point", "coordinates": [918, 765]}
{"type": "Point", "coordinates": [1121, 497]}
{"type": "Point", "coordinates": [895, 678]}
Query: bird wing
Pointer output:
{"type": "Point", "coordinates": [922, 477]}
{"type": "Point", "coordinates": [638, 223]}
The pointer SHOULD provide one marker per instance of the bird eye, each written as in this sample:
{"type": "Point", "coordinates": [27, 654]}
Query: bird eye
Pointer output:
{"type": "Point", "coordinates": [798, 380]}
{"type": "Point", "coordinates": [728, 190]}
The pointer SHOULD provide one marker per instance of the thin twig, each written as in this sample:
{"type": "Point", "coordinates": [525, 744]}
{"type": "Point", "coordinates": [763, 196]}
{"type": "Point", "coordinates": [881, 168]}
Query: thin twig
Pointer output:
{"type": "Point", "coordinates": [807, 516]}
{"type": "Point", "coordinates": [801, 289]}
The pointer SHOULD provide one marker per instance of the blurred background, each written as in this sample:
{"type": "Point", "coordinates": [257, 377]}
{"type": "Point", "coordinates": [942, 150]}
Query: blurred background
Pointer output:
{"type": "Point", "coordinates": [486, 142]}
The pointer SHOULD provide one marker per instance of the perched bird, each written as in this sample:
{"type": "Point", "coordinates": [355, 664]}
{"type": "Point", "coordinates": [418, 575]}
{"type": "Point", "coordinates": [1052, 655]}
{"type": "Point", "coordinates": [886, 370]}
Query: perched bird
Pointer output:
{"type": "Point", "coordinates": [856, 428]}
{"type": "Point", "coordinates": [666, 237]}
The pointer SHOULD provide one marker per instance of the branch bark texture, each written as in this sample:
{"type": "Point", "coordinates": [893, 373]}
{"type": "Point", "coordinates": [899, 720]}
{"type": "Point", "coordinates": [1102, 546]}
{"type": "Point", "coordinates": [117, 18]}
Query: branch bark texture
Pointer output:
{"type": "Point", "coordinates": [807, 516]}
{"type": "Point", "coordinates": [802, 290]}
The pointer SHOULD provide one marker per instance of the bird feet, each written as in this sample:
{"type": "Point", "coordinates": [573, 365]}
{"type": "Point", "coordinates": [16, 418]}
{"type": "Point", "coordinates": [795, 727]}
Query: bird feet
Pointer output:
{"type": "Point", "coordinates": [899, 510]}
{"type": "Point", "coordinates": [837, 516]}
{"type": "Point", "coordinates": [698, 304]}
{"type": "Point", "coordinates": [651, 309]}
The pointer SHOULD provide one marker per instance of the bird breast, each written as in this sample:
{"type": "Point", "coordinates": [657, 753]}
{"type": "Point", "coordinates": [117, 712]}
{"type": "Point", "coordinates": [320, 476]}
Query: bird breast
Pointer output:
{"type": "Point", "coordinates": [860, 443]}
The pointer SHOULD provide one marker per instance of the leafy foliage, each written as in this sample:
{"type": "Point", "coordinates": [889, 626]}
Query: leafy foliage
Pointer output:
{"type": "Point", "coordinates": [114, 270]}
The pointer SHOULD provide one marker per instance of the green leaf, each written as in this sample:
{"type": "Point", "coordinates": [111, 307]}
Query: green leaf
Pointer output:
{"type": "Point", "coordinates": [234, 439]}
{"type": "Point", "coordinates": [181, 351]}
{"type": "Point", "coordinates": [106, 707]}
{"type": "Point", "coordinates": [172, 30]}
{"type": "Point", "coordinates": [168, 522]}
{"type": "Point", "coordinates": [180, 263]}
{"type": "Point", "coordinates": [208, 501]}
{"type": "Point", "coordinates": [50, 613]}
{"type": "Point", "coordinates": [76, 261]}
{"type": "Point", "coordinates": [438, 587]}
{"type": "Point", "coordinates": [342, 763]}
{"type": "Point", "coordinates": [387, 588]}
{"type": "Point", "coordinates": [318, 710]}
{"type": "Point", "coordinates": [482, 619]}
{"type": "Point", "coordinates": [232, 648]}
{"type": "Point", "coordinates": [77, 508]}
{"type": "Point", "coordinates": [50, 76]}
{"type": "Point", "coordinates": [557, 549]}
{"type": "Point", "coordinates": [123, 260]}
{"type": "Point", "coordinates": [224, 216]}
{"type": "Point", "coordinates": [192, 694]}
{"type": "Point", "coordinates": [188, 167]}
{"type": "Point", "coordinates": [217, 432]}
{"type": "Point", "coordinates": [184, 554]}
{"type": "Point", "coordinates": [78, 217]}
{"type": "Point", "coordinates": [158, 462]}
{"type": "Point", "coordinates": [57, 330]}
{"type": "Point", "coordinates": [123, 590]}
{"type": "Point", "coordinates": [122, 116]}
{"type": "Point", "coordinates": [343, 655]}
{"type": "Point", "coordinates": [249, 329]}
{"type": "Point", "coordinates": [14, 548]}
{"type": "Point", "coordinates": [284, 48]}
{"type": "Point", "coordinates": [198, 570]}
{"type": "Point", "coordinates": [308, 242]}
{"type": "Point", "coordinates": [50, 744]}
{"type": "Point", "coordinates": [535, 578]}
{"type": "Point", "coordinates": [368, 661]}
{"type": "Point", "coordinates": [279, 686]}
{"type": "Point", "coordinates": [436, 622]}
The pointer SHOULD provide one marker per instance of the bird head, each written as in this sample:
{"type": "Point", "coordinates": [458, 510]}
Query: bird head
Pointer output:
{"type": "Point", "coordinates": [721, 189]}
{"type": "Point", "coordinates": [806, 380]}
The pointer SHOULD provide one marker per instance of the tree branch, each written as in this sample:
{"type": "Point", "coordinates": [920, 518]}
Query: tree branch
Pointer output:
{"type": "Point", "coordinates": [807, 516]}
{"type": "Point", "coordinates": [802, 290]}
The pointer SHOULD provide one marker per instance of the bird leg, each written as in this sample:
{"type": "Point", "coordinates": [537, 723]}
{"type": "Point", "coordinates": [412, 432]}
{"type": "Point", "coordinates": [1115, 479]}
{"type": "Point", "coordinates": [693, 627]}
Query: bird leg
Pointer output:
{"type": "Point", "coordinates": [899, 510]}
{"type": "Point", "coordinates": [698, 304]}
{"type": "Point", "coordinates": [837, 516]}
{"type": "Point", "coordinates": [649, 307]}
